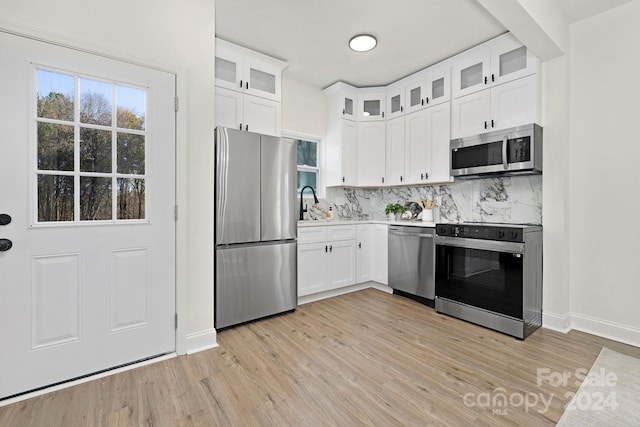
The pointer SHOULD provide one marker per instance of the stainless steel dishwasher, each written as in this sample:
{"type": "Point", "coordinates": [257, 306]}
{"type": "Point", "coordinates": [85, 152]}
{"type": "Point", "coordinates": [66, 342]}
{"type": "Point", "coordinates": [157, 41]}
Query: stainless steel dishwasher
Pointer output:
{"type": "Point", "coordinates": [412, 262]}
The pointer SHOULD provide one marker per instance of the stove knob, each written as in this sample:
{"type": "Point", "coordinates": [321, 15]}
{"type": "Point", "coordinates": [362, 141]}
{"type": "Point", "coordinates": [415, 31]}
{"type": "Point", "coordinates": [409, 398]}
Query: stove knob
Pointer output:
{"type": "Point", "coordinates": [514, 235]}
{"type": "Point", "coordinates": [500, 234]}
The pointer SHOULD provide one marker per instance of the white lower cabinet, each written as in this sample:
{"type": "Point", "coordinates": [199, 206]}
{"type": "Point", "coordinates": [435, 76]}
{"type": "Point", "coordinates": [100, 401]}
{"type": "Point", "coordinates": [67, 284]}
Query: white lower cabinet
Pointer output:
{"type": "Point", "coordinates": [380, 244]}
{"type": "Point", "coordinates": [336, 256]}
{"type": "Point", "coordinates": [373, 252]}
{"type": "Point", "coordinates": [326, 258]}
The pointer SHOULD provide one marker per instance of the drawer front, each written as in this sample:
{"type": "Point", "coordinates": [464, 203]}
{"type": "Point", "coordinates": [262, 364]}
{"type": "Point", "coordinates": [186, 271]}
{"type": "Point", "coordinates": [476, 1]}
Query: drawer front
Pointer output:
{"type": "Point", "coordinates": [312, 235]}
{"type": "Point", "coordinates": [341, 232]}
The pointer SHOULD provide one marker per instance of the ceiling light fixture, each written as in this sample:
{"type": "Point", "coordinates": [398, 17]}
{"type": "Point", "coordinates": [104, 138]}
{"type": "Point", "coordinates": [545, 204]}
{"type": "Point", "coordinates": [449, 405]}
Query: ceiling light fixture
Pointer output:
{"type": "Point", "coordinates": [362, 42]}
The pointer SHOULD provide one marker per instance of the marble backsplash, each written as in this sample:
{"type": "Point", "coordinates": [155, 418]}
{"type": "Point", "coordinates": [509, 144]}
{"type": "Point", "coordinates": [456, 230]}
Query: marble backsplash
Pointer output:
{"type": "Point", "coordinates": [515, 200]}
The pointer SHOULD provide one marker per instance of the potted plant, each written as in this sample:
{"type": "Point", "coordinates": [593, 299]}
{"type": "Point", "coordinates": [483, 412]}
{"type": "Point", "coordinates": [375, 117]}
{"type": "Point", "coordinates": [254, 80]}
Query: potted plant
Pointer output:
{"type": "Point", "coordinates": [393, 209]}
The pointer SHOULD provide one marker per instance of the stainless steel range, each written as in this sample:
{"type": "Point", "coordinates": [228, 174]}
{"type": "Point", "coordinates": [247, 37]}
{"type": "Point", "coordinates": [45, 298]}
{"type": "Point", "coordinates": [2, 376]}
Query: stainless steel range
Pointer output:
{"type": "Point", "coordinates": [491, 275]}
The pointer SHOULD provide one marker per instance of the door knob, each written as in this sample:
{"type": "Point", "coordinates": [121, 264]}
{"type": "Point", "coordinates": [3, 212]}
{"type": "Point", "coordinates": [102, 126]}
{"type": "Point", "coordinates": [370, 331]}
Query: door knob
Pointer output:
{"type": "Point", "coordinates": [5, 245]}
{"type": "Point", "coordinates": [5, 219]}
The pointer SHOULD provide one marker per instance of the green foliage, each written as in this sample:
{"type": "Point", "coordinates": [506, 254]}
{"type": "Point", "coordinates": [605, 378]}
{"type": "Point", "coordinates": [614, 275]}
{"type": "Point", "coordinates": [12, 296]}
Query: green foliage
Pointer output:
{"type": "Point", "coordinates": [395, 208]}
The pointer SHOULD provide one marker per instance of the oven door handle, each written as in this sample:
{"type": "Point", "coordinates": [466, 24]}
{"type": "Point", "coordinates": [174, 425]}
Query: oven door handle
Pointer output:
{"type": "Point", "coordinates": [485, 245]}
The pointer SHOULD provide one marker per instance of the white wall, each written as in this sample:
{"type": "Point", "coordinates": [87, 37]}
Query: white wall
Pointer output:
{"type": "Point", "coordinates": [303, 109]}
{"type": "Point", "coordinates": [555, 193]}
{"type": "Point", "coordinates": [178, 37]}
{"type": "Point", "coordinates": [605, 197]}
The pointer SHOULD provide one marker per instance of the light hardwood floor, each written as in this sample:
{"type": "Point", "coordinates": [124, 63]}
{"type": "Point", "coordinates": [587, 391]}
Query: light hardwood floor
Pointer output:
{"type": "Point", "coordinates": [366, 358]}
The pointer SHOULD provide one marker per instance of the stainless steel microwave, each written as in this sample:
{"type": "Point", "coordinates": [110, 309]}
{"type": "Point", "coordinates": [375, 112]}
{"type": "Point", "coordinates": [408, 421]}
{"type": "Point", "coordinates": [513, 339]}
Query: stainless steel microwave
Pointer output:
{"type": "Point", "coordinates": [515, 151]}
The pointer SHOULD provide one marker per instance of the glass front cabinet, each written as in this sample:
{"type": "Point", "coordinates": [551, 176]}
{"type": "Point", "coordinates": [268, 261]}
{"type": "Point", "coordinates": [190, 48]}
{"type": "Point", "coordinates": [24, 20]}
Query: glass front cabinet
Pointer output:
{"type": "Point", "coordinates": [498, 61]}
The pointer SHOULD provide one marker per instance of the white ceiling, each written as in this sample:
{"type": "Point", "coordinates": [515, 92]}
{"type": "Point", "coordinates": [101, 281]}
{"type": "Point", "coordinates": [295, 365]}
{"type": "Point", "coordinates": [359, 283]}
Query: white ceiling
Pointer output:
{"type": "Point", "coordinates": [312, 35]}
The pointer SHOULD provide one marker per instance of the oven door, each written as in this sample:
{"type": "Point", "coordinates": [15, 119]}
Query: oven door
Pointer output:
{"type": "Point", "coordinates": [480, 273]}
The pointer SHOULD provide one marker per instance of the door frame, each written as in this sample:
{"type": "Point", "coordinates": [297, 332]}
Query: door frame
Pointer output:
{"type": "Point", "coordinates": [206, 339]}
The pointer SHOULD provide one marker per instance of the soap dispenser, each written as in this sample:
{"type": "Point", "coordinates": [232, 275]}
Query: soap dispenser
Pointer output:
{"type": "Point", "coordinates": [330, 213]}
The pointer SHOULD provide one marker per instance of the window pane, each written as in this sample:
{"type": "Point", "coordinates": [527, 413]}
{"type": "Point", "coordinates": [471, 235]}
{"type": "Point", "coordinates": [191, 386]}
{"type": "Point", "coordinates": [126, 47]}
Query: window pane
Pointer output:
{"type": "Point", "coordinates": [55, 147]}
{"type": "Point", "coordinates": [131, 198]}
{"type": "Point", "coordinates": [372, 108]}
{"type": "Point", "coordinates": [307, 153]}
{"type": "Point", "coordinates": [95, 198]}
{"type": "Point", "coordinates": [307, 178]}
{"type": "Point", "coordinates": [131, 108]}
{"type": "Point", "coordinates": [55, 95]}
{"type": "Point", "coordinates": [130, 154]}
{"type": "Point", "coordinates": [437, 88]}
{"type": "Point", "coordinates": [95, 150]}
{"type": "Point", "coordinates": [225, 70]}
{"type": "Point", "coordinates": [95, 102]}
{"type": "Point", "coordinates": [262, 81]}
{"type": "Point", "coordinates": [55, 198]}
{"type": "Point", "coordinates": [471, 76]}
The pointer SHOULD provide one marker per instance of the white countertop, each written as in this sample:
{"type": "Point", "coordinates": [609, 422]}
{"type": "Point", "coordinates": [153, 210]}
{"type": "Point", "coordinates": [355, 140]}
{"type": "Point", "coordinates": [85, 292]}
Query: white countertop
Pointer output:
{"type": "Point", "coordinates": [325, 222]}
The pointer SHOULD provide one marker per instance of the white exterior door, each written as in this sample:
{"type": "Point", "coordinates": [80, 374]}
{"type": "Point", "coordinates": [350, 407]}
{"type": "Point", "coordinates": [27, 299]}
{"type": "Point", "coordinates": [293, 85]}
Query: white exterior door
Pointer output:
{"type": "Point", "coordinates": [87, 176]}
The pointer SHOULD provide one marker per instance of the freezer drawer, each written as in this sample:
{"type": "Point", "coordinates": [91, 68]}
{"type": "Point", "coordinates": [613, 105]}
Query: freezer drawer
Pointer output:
{"type": "Point", "coordinates": [254, 281]}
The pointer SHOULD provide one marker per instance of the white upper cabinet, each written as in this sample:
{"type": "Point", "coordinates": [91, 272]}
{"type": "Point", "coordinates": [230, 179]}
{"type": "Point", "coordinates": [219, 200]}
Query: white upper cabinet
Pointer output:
{"type": "Point", "coordinates": [501, 107]}
{"type": "Point", "coordinates": [396, 99]}
{"type": "Point", "coordinates": [428, 87]}
{"type": "Point", "coordinates": [495, 62]}
{"type": "Point", "coordinates": [244, 70]}
{"type": "Point", "coordinates": [250, 113]}
{"type": "Point", "coordinates": [395, 152]}
{"type": "Point", "coordinates": [371, 154]}
{"type": "Point", "coordinates": [371, 103]}
{"type": "Point", "coordinates": [345, 101]}
{"type": "Point", "coordinates": [427, 137]}
{"type": "Point", "coordinates": [341, 139]}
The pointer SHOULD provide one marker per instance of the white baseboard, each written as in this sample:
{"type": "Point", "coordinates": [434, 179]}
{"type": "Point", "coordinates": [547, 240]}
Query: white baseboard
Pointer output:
{"type": "Point", "coordinates": [557, 322]}
{"type": "Point", "coordinates": [341, 291]}
{"type": "Point", "coordinates": [200, 341]}
{"type": "Point", "coordinates": [606, 329]}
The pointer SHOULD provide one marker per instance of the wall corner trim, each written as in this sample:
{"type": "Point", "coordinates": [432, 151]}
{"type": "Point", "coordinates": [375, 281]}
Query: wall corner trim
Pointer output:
{"type": "Point", "coordinates": [200, 341]}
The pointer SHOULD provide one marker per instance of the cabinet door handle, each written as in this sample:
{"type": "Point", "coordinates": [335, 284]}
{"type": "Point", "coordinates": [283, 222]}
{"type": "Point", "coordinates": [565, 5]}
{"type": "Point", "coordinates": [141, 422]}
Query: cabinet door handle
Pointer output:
{"type": "Point", "coordinates": [331, 248]}
{"type": "Point", "coordinates": [326, 248]}
{"type": "Point", "coordinates": [400, 178]}
{"type": "Point", "coordinates": [427, 99]}
{"type": "Point", "coordinates": [493, 77]}
{"type": "Point", "coordinates": [485, 80]}
{"type": "Point", "coordinates": [240, 126]}
{"type": "Point", "coordinates": [383, 179]}
{"type": "Point", "coordinates": [343, 179]}
{"type": "Point", "coordinates": [5, 219]}
{"type": "Point", "coordinates": [401, 109]}
{"type": "Point", "coordinates": [421, 176]}
{"type": "Point", "coordinates": [485, 124]}
{"type": "Point", "coordinates": [360, 245]}
{"type": "Point", "coordinates": [5, 245]}
{"type": "Point", "coordinates": [246, 85]}
{"type": "Point", "coordinates": [241, 84]}
{"type": "Point", "coordinates": [492, 123]}
{"type": "Point", "coordinates": [426, 175]}
{"type": "Point", "coordinates": [422, 102]}
{"type": "Point", "coordinates": [344, 111]}
{"type": "Point", "coordinates": [383, 114]}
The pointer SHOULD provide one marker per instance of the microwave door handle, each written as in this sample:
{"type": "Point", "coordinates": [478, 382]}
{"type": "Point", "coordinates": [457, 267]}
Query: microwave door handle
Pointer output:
{"type": "Point", "coordinates": [505, 141]}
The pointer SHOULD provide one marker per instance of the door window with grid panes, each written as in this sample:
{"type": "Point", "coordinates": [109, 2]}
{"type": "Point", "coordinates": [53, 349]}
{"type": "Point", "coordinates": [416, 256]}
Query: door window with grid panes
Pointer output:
{"type": "Point", "coordinates": [90, 149]}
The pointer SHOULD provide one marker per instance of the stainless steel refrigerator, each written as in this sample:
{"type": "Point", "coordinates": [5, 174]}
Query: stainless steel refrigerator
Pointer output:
{"type": "Point", "coordinates": [255, 226]}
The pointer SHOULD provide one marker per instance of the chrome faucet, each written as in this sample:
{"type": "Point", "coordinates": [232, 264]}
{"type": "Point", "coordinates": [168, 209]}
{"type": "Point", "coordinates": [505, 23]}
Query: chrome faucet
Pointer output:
{"type": "Point", "coordinates": [315, 200]}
